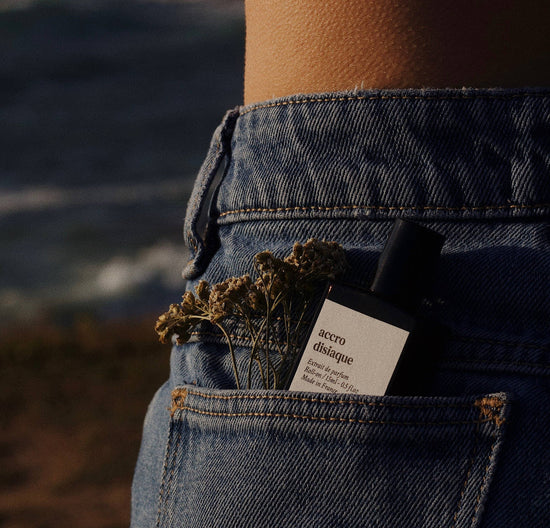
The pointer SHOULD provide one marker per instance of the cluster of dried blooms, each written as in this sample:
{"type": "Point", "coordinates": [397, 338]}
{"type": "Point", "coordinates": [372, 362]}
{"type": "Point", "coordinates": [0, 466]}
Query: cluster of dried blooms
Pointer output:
{"type": "Point", "coordinates": [270, 308]}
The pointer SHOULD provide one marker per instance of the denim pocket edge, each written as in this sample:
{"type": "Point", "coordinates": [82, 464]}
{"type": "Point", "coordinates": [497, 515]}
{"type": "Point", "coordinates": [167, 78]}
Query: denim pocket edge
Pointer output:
{"type": "Point", "coordinates": [476, 423]}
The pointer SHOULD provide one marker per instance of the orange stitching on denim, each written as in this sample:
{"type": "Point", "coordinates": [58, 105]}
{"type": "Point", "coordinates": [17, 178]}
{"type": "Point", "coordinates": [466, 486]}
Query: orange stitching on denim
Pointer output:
{"type": "Point", "coordinates": [325, 418]}
{"type": "Point", "coordinates": [381, 97]}
{"type": "Point", "coordinates": [491, 408]}
{"type": "Point", "coordinates": [178, 399]}
{"type": "Point", "coordinates": [383, 208]}
{"type": "Point", "coordinates": [320, 400]}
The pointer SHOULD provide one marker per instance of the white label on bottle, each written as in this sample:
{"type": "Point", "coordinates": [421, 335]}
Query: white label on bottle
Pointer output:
{"type": "Point", "coordinates": [349, 352]}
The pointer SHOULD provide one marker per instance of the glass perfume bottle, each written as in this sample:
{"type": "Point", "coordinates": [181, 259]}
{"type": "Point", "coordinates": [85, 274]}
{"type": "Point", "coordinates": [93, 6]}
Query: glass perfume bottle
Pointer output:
{"type": "Point", "coordinates": [372, 342]}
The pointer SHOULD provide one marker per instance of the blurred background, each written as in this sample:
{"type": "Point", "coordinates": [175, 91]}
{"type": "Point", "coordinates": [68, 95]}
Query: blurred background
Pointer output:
{"type": "Point", "coordinates": [106, 112]}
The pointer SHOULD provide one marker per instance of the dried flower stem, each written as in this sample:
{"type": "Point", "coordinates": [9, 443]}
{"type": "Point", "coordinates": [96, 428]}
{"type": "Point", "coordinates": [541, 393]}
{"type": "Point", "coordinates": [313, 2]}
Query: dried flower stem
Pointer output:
{"type": "Point", "coordinates": [282, 292]}
{"type": "Point", "coordinates": [232, 353]}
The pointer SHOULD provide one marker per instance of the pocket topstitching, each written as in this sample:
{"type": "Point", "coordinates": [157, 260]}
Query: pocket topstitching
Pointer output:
{"type": "Point", "coordinates": [290, 459]}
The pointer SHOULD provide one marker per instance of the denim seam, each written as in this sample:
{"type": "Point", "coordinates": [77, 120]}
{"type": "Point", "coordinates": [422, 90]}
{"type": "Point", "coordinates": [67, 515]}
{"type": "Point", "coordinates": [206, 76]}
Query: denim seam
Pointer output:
{"type": "Point", "coordinates": [466, 480]}
{"type": "Point", "coordinates": [464, 208]}
{"type": "Point", "coordinates": [163, 482]}
{"type": "Point", "coordinates": [329, 418]}
{"type": "Point", "coordinates": [501, 97]}
{"type": "Point", "coordinates": [484, 482]}
{"type": "Point", "coordinates": [331, 402]}
{"type": "Point", "coordinates": [166, 483]}
{"type": "Point", "coordinates": [493, 409]}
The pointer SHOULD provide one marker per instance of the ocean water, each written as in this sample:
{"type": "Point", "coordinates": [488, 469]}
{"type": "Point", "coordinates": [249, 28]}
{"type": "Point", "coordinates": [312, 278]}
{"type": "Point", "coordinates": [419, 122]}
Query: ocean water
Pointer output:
{"type": "Point", "coordinates": [107, 109]}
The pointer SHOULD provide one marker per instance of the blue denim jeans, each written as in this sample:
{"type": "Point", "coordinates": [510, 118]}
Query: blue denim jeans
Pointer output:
{"type": "Point", "coordinates": [473, 451]}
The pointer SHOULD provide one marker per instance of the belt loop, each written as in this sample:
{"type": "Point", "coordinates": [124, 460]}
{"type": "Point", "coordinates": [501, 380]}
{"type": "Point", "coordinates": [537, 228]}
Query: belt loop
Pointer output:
{"type": "Point", "coordinates": [199, 228]}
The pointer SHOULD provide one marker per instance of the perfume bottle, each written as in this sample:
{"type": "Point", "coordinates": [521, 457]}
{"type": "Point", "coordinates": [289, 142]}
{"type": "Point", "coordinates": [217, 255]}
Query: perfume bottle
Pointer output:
{"type": "Point", "coordinates": [372, 342]}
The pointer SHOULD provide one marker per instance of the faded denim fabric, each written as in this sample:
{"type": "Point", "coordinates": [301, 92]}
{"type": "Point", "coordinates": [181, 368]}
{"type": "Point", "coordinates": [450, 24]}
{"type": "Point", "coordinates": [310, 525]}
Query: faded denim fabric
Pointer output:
{"type": "Point", "coordinates": [473, 450]}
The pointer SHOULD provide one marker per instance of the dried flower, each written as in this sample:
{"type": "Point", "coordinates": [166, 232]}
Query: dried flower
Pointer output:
{"type": "Point", "coordinates": [229, 297]}
{"type": "Point", "coordinates": [318, 260]}
{"type": "Point", "coordinates": [256, 299]}
{"type": "Point", "coordinates": [272, 307]}
{"type": "Point", "coordinates": [174, 321]}
{"type": "Point", "coordinates": [189, 304]}
{"type": "Point", "coordinates": [266, 262]}
{"type": "Point", "coordinates": [275, 275]}
{"type": "Point", "coordinates": [203, 291]}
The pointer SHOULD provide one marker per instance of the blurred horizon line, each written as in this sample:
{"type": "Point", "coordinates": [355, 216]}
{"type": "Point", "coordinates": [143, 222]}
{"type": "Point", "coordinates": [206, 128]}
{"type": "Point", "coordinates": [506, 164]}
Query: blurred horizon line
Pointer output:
{"type": "Point", "coordinates": [33, 198]}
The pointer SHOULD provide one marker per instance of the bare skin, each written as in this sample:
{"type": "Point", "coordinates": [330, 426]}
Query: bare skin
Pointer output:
{"type": "Point", "coordinates": [306, 46]}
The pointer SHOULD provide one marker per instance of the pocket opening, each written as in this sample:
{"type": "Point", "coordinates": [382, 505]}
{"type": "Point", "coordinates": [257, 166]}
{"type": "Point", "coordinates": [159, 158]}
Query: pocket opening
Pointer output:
{"type": "Point", "coordinates": [385, 461]}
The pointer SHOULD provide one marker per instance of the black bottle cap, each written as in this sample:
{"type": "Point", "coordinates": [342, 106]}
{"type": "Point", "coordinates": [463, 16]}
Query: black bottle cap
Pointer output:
{"type": "Point", "coordinates": [407, 264]}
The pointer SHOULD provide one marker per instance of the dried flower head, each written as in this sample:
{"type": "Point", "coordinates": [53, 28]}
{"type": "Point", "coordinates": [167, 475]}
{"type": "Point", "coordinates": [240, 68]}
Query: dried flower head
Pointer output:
{"type": "Point", "coordinates": [180, 319]}
{"type": "Point", "coordinates": [189, 304]}
{"type": "Point", "coordinates": [202, 291]}
{"type": "Point", "coordinates": [174, 322]}
{"type": "Point", "coordinates": [227, 297]}
{"type": "Point", "coordinates": [256, 299]}
{"type": "Point", "coordinates": [275, 276]}
{"type": "Point", "coordinates": [318, 260]}
{"type": "Point", "coordinates": [266, 262]}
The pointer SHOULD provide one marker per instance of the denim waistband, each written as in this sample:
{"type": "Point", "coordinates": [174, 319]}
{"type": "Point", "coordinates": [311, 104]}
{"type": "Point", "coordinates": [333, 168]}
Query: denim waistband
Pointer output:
{"type": "Point", "coordinates": [468, 154]}
{"type": "Point", "coordinates": [433, 154]}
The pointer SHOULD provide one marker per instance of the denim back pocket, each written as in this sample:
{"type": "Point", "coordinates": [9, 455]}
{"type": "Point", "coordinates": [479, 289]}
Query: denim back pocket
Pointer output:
{"type": "Point", "coordinates": [290, 459]}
